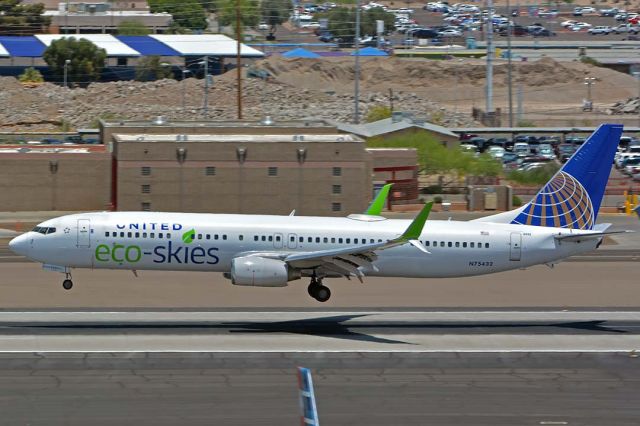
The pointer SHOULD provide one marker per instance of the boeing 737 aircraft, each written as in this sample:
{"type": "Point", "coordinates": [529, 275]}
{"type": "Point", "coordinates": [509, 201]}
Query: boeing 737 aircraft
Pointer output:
{"type": "Point", "coordinates": [270, 251]}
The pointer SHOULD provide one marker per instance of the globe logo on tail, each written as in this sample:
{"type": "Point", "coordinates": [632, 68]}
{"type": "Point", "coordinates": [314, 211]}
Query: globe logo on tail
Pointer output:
{"type": "Point", "coordinates": [562, 203]}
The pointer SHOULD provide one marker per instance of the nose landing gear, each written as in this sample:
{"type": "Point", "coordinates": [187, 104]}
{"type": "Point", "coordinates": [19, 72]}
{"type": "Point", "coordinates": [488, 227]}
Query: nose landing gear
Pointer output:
{"type": "Point", "coordinates": [318, 291]}
{"type": "Point", "coordinates": [67, 283]}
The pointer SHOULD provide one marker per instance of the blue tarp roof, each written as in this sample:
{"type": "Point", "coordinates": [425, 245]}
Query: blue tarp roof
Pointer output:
{"type": "Point", "coordinates": [371, 51]}
{"type": "Point", "coordinates": [148, 45]}
{"type": "Point", "coordinates": [300, 53]}
{"type": "Point", "coordinates": [23, 46]}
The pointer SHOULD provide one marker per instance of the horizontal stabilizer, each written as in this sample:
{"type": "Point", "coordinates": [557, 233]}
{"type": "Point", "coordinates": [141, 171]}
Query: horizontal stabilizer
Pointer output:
{"type": "Point", "coordinates": [587, 236]}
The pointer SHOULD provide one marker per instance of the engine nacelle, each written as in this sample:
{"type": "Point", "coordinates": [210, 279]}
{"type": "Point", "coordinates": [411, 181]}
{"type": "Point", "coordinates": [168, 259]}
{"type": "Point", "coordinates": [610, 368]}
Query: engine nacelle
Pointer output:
{"type": "Point", "coordinates": [261, 272]}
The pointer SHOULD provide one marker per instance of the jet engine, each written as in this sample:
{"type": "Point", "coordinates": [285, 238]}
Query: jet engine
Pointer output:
{"type": "Point", "coordinates": [261, 272]}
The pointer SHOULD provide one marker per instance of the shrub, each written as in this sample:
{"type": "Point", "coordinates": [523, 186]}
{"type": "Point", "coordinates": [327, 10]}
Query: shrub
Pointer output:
{"type": "Point", "coordinates": [437, 199]}
{"type": "Point", "coordinates": [516, 201]}
{"type": "Point", "coordinates": [31, 75]}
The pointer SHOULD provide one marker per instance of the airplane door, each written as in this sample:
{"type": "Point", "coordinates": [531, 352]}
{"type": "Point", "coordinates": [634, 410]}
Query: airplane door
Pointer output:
{"type": "Point", "coordinates": [515, 246]}
{"type": "Point", "coordinates": [84, 233]}
{"type": "Point", "coordinates": [277, 240]}
{"type": "Point", "coordinates": [292, 241]}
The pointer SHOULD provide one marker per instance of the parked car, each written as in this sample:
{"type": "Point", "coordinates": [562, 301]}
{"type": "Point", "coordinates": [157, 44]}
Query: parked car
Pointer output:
{"type": "Point", "coordinates": [565, 151]}
{"type": "Point", "coordinates": [626, 28]}
{"type": "Point", "coordinates": [601, 29]}
{"type": "Point", "coordinates": [588, 9]}
{"type": "Point", "coordinates": [543, 32]}
{"type": "Point", "coordinates": [608, 12]}
{"type": "Point", "coordinates": [577, 11]}
{"type": "Point", "coordinates": [496, 152]}
{"type": "Point", "coordinates": [546, 151]}
{"type": "Point", "coordinates": [522, 149]}
{"type": "Point", "coordinates": [450, 33]}
{"type": "Point", "coordinates": [424, 33]}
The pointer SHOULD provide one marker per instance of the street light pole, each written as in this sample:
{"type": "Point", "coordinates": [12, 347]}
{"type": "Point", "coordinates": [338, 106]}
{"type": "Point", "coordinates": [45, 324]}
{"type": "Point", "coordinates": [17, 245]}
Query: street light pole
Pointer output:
{"type": "Point", "coordinates": [509, 66]}
{"type": "Point", "coordinates": [206, 86]}
{"type": "Point", "coordinates": [66, 64]}
{"type": "Point", "coordinates": [356, 88]}
{"type": "Point", "coordinates": [184, 88]}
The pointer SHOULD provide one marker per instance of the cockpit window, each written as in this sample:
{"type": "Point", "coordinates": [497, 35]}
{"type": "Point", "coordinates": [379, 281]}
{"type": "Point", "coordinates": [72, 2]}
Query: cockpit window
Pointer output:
{"type": "Point", "coordinates": [44, 230]}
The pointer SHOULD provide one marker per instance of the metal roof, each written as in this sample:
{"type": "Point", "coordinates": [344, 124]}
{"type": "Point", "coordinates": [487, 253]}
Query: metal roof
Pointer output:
{"type": "Point", "coordinates": [206, 44]}
{"type": "Point", "coordinates": [21, 46]}
{"type": "Point", "coordinates": [109, 43]}
{"type": "Point", "coordinates": [388, 125]}
{"type": "Point", "coordinates": [244, 138]}
{"type": "Point", "coordinates": [148, 46]}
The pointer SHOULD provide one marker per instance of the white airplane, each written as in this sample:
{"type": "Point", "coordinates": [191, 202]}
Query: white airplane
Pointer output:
{"type": "Point", "coordinates": [270, 251]}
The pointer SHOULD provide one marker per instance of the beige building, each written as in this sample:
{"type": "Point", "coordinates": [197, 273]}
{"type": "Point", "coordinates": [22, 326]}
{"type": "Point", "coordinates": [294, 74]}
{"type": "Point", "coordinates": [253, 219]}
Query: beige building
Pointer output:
{"type": "Point", "coordinates": [54, 179]}
{"type": "Point", "coordinates": [238, 167]}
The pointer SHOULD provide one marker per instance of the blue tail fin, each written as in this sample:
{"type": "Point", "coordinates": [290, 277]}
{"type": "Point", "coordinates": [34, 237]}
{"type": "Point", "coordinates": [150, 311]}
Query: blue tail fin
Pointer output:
{"type": "Point", "coordinates": [571, 199]}
{"type": "Point", "coordinates": [307, 398]}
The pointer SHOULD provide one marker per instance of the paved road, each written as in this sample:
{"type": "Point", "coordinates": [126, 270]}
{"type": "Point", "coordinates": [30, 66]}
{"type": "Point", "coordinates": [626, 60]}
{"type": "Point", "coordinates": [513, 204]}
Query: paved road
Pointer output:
{"type": "Point", "coordinates": [303, 331]}
{"type": "Point", "coordinates": [352, 389]}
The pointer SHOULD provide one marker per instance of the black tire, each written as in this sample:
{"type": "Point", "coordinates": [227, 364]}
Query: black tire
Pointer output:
{"type": "Point", "coordinates": [67, 284]}
{"type": "Point", "coordinates": [322, 294]}
{"type": "Point", "coordinates": [312, 289]}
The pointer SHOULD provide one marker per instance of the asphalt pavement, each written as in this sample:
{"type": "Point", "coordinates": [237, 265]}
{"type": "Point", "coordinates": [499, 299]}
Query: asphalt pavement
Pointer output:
{"type": "Point", "coordinates": [351, 389]}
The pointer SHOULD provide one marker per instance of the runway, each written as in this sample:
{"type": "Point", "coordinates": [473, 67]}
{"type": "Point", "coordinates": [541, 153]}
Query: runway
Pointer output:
{"type": "Point", "coordinates": [319, 332]}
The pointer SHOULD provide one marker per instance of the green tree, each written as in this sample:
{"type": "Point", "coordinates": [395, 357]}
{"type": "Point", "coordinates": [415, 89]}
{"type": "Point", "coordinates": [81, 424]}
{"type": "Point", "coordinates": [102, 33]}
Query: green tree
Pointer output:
{"type": "Point", "coordinates": [22, 19]}
{"type": "Point", "coordinates": [150, 68]}
{"type": "Point", "coordinates": [249, 13]}
{"type": "Point", "coordinates": [378, 112]}
{"type": "Point", "coordinates": [437, 159]}
{"type": "Point", "coordinates": [132, 28]}
{"type": "Point", "coordinates": [275, 12]}
{"type": "Point", "coordinates": [87, 59]}
{"type": "Point", "coordinates": [187, 14]}
{"type": "Point", "coordinates": [341, 22]}
{"type": "Point", "coordinates": [31, 75]}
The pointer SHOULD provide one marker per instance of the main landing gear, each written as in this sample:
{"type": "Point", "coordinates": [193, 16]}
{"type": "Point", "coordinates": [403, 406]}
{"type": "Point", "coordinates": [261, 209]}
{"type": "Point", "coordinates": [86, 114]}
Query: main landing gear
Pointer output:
{"type": "Point", "coordinates": [67, 283]}
{"type": "Point", "coordinates": [318, 291]}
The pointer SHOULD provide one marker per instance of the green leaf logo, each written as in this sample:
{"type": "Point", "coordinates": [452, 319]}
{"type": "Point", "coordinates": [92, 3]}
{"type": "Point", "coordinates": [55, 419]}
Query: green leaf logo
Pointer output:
{"type": "Point", "coordinates": [189, 236]}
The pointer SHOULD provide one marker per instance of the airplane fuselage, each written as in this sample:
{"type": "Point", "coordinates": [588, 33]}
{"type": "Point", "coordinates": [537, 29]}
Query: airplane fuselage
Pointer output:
{"type": "Point", "coordinates": [209, 242]}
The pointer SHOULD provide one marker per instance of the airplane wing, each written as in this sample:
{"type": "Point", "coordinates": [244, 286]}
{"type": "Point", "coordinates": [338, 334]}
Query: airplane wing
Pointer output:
{"type": "Point", "coordinates": [348, 261]}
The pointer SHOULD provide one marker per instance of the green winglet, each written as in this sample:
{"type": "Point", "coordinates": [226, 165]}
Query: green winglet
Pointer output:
{"type": "Point", "coordinates": [415, 229]}
{"type": "Point", "coordinates": [376, 206]}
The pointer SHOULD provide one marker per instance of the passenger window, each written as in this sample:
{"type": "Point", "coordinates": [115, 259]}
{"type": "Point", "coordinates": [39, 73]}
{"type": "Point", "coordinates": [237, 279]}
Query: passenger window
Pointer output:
{"type": "Point", "coordinates": [309, 239]}
{"type": "Point", "coordinates": [339, 240]}
{"type": "Point", "coordinates": [348, 240]}
{"type": "Point", "coordinates": [241, 237]}
{"type": "Point", "coordinates": [215, 237]}
{"type": "Point", "coordinates": [169, 237]}
{"type": "Point", "coordinates": [137, 235]}
{"type": "Point", "coordinates": [486, 245]}
{"type": "Point", "coordinates": [160, 235]}
{"type": "Point", "coordinates": [379, 241]}
{"type": "Point", "coordinates": [128, 234]}
{"type": "Point", "coordinates": [152, 235]}
{"type": "Point", "coordinates": [457, 243]}
{"type": "Point", "coordinates": [255, 238]}
{"type": "Point", "coordinates": [208, 236]}
{"type": "Point", "coordinates": [326, 240]}
{"type": "Point", "coordinates": [278, 238]}
{"type": "Point", "coordinates": [144, 235]}
{"type": "Point", "coordinates": [122, 235]}
{"type": "Point", "coordinates": [333, 240]}
{"type": "Point", "coordinates": [199, 236]}
{"type": "Point", "coordinates": [450, 244]}
{"type": "Point", "coordinates": [426, 243]}
{"type": "Point", "coordinates": [471, 245]}
{"type": "Point", "coordinates": [441, 243]}
{"type": "Point", "coordinates": [372, 241]}
{"type": "Point", "coordinates": [479, 245]}
{"type": "Point", "coordinates": [270, 237]}
{"type": "Point", "coordinates": [317, 239]}
{"type": "Point", "coordinates": [224, 236]}
{"type": "Point", "coordinates": [301, 239]}
{"type": "Point", "coordinates": [464, 245]}
{"type": "Point", "coordinates": [106, 234]}
{"type": "Point", "coordinates": [264, 238]}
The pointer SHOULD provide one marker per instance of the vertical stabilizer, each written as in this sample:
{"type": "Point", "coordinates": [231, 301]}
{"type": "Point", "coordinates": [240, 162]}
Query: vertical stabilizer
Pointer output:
{"type": "Point", "coordinates": [309, 411]}
{"type": "Point", "coordinates": [572, 198]}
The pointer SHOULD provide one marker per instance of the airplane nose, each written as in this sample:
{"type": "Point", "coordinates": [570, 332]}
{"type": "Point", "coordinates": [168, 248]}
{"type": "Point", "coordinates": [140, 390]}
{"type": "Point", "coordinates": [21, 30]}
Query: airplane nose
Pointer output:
{"type": "Point", "coordinates": [19, 245]}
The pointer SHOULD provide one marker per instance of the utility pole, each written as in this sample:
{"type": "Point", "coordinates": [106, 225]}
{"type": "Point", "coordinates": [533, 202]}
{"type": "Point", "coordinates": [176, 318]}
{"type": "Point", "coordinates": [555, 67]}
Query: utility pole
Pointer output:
{"type": "Point", "coordinates": [509, 66]}
{"type": "Point", "coordinates": [206, 86]}
{"type": "Point", "coordinates": [489, 86]}
{"type": "Point", "coordinates": [356, 89]}
{"type": "Point", "coordinates": [238, 59]}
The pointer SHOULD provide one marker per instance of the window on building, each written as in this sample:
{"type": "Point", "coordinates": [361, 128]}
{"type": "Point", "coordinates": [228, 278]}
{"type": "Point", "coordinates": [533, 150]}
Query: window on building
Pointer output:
{"type": "Point", "coordinates": [145, 207]}
{"type": "Point", "coordinates": [122, 61]}
{"type": "Point", "coordinates": [145, 171]}
{"type": "Point", "coordinates": [272, 171]}
{"type": "Point", "coordinates": [336, 189]}
{"type": "Point", "coordinates": [209, 171]}
{"type": "Point", "coordinates": [336, 207]}
{"type": "Point", "coordinates": [337, 171]}
{"type": "Point", "coordinates": [146, 189]}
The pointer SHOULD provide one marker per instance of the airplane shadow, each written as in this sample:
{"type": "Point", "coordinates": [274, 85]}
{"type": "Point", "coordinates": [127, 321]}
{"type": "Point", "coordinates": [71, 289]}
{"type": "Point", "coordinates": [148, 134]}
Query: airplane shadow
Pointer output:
{"type": "Point", "coordinates": [330, 326]}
